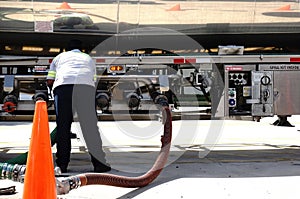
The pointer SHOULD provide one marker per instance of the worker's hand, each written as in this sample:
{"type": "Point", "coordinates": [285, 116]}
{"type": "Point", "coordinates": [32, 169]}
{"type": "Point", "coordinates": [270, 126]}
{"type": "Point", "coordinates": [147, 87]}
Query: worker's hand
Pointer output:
{"type": "Point", "coordinates": [49, 83]}
{"type": "Point", "coordinates": [50, 93]}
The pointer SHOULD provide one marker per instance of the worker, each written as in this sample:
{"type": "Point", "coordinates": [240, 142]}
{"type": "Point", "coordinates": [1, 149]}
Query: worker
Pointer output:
{"type": "Point", "coordinates": [72, 76]}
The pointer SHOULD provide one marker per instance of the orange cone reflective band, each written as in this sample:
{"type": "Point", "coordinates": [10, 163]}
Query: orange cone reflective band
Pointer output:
{"type": "Point", "coordinates": [39, 176]}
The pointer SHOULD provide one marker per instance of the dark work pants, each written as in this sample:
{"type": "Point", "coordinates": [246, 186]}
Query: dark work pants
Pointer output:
{"type": "Point", "coordinates": [81, 99]}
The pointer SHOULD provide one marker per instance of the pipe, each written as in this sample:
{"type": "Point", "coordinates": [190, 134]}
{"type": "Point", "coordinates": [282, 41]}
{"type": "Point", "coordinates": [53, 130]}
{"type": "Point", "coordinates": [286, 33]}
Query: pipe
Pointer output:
{"type": "Point", "coordinates": [73, 182]}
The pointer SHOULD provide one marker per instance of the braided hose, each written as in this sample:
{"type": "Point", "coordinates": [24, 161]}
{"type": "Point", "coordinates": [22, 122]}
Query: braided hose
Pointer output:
{"type": "Point", "coordinates": [74, 182]}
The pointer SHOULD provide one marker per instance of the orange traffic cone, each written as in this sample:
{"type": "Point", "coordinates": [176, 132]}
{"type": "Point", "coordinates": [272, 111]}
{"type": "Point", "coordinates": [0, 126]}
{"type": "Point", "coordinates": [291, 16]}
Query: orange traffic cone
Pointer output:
{"type": "Point", "coordinates": [64, 6]}
{"type": "Point", "coordinates": [39, 182]}
{"type": "Point", "coordinates": [175, 8]}
{"type": "Point", "coordinates": [287, 7]}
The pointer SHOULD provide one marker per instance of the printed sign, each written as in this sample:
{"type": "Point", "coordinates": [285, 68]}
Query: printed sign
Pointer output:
{"type": "Point", "coordinates": [279, 67]}
{"type": "Point", "coordinates": [233, 68]}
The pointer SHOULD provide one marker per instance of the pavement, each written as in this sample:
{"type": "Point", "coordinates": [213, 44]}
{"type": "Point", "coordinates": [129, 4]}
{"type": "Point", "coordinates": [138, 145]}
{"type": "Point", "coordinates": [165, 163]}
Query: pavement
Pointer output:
{"type": "Point", "coordinates": [209, 159]}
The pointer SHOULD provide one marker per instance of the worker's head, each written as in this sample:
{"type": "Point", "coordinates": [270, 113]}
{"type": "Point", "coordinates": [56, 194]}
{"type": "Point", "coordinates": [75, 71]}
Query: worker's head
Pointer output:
{"type": "Point", "coordinates": [74, 44]}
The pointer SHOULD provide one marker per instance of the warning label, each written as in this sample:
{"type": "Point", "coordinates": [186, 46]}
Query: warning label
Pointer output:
{"type": "Point", "coordinates": [279, 67]}
{"type": "Point", "coordinates": [233, 68]}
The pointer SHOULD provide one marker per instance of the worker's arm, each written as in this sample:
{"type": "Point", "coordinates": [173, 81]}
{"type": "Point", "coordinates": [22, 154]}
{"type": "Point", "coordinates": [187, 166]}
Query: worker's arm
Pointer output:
{"type": "Point", "coordinates": [51, 75]}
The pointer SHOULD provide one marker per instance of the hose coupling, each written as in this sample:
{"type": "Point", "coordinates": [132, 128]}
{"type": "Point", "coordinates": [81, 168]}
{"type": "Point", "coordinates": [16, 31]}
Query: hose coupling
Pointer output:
{"type": "Point", "coordinates": [13, 172]}
{"type": "Point", "coordinates": [65, 185]}
{"type": "Point", "coordinates": [159, 98]}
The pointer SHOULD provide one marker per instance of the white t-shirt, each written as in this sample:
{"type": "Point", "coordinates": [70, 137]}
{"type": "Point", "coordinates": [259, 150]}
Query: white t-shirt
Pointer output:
{"type": "Point", "coordinates": [72, 67]}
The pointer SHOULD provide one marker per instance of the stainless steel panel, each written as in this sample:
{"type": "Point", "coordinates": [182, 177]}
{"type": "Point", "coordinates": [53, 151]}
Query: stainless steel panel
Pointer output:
{"type": "Point", "coordinates": [287, 92]}
{"type": "Point", "coordinates": [262, 93]}
{"type": "Point", "coordinates": [262, 109]}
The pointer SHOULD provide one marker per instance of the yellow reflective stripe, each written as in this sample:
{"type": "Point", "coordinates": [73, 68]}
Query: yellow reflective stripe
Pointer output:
{"type": "Point", "coordinates": [95, 78]}
{"type": "Point", "coordinates": [51, 74]}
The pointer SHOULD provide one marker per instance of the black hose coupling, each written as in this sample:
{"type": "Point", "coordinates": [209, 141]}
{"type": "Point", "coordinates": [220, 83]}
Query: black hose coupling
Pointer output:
{"type": "Point", "coordinates": [159, 98]}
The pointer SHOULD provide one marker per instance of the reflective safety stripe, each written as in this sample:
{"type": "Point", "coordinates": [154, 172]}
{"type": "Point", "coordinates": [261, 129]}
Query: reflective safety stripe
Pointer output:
{"type": "Point", "coordinates": [95, 78]}
{"type": "Point", "coordinates": [51, 75]}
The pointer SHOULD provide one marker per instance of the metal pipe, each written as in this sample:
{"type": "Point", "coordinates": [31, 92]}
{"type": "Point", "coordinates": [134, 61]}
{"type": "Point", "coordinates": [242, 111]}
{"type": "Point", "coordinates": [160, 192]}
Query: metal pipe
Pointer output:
{"type": "Point", "coordinates": [107, 77]}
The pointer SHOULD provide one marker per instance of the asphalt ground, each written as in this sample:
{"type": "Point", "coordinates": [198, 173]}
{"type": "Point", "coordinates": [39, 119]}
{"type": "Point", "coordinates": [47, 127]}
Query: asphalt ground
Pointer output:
{"type": "Point", "coordinates": [208, 159]}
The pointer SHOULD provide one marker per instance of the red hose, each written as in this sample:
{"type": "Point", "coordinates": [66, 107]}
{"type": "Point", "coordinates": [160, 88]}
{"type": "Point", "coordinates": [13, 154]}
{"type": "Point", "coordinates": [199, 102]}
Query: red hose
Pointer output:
{"type": "Point", "coordinates": [143, 180]}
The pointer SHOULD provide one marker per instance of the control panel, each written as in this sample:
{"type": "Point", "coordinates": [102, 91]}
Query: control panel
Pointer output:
{"type": "Point", "coordinates": [239, 90]}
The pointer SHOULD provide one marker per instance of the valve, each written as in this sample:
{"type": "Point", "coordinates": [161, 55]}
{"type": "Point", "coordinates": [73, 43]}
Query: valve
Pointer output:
{"type": "Point", "coordinates": [102, 100]}
{"type": "Point", "coordinates": [10, 103]}
{"type": "Point", "coordinates": [133, 100]}
{"type": "Point", "coordinates": [41, 95]}
{"type": "Point", "coordinates": [265, 80]}
{"type": "Point", "coordinates": [159, 98]}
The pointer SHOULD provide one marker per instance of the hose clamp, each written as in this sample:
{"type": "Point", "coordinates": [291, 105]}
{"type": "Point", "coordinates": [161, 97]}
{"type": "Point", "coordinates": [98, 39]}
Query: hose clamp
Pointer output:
{"type": "Point", "coordinates": [3, 173]}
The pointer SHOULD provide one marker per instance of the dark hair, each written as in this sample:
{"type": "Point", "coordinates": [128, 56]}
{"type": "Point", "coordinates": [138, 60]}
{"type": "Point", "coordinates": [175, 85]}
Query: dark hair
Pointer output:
{"type": "Point", "coordinates": [74, 44]}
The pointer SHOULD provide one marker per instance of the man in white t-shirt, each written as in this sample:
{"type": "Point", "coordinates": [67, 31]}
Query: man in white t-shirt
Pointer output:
{"type": "Point", "coordinates": [72, 78]}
